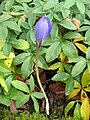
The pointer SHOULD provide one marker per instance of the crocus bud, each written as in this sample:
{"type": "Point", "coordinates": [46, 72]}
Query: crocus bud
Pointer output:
{"type": "Point", "coordinates": [42, 30]}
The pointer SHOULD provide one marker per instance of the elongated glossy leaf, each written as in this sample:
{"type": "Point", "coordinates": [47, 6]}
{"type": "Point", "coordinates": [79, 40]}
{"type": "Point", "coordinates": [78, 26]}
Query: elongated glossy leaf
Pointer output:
{"type": "Point", "coordinates": [21, 101]}
{"type": "Point", "coordinates": [20, 86]}
{"type": "Point", "coordinates": [3, 32]}
{"type": "Point", "coordinates": [20, 58]}
{"type": "Point", "coordinates": [77, 111]}
{"type": "Point", "coordinates": [54, 32]}
{"type": "Point", "coordinates": [68, 24]}
{"type": "Point", "coordinates": [79, 39]}
{"type": "Point", "coordinates": [4, 68]}
{"type": "Point", "coordinates": [37, 95]}
{"type": "Point", "coordinates": [74, 93]}
{"type": "Point", "coordinates": [61, 76]}
{"type": "Point", "coordinates": [87, 35]}
{"type": "Point", "coordinates": [4, 100]}
{"type": "Point", "coordinates": [54, 66]}
{"type": "Point", "coordinates": [3, 83]}
{"type": "Point", "coordinates": [42, 63]}
{"type": "Point", "coordinates": [71, 35]}
{"type": "Point", "coordinates": [82, 47]}
{"type": "Point", "coordinates": [50, 4]}
{"type": "Point", "coordinates": [85, 109]}
{"type": "Point", "coordinates": [27, 67]}
{"type": "Point", "coordinates": [9, 4]}
{"type": "Point", "coordinates": [69, 3]}
{"type": "Point", "coordinates": [79, 4]}
{"type": "Point", "coordinates": [4, 17]}
{"type": "Point", "coordinates": [53, 51]}
{"type": "Point", "coordinates": [20, 44]}
{"type": "Point", "coordinates": [7, 49]}
{"type": "Point", "coordinates": [78, 68]}
{"type": "Point", "coordinates": [2, 56]}
{"type": "Point", "coordinates": [69, 106]}
{"type": "Point", "coordinates": [12, 25]}
{"type": "Point", "coordinates": [36, 105]}
{"type": "Point", "coordinates": [85, 80]}
{"type": "Point", "coordinates": [32, 85]}
{"type": "Point", "coordinates": [2, 42]}
{"type": "Point", "coordinates": [88, 53]}
{"type": "Point", "coordinates": [69, 86]}
{"type": "Point", "coordinates": [77, 84]}
{"type": "Point", "coordinates": [69, 49]}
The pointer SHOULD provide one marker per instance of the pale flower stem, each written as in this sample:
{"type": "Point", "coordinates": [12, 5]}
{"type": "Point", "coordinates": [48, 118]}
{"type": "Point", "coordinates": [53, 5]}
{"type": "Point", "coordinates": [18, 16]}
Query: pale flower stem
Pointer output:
{"type": "Point", "coordinates": [39, 82]}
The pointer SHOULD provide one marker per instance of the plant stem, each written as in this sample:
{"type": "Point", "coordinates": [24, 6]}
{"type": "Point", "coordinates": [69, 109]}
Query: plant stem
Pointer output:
{"type": "Point", "coordinates": [39, 82]}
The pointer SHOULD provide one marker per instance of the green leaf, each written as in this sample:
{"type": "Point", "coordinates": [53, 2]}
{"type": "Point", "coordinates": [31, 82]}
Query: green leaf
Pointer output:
{"type": "Point", "coordinates": [69, 49]}
{"type": "Point", "coordinates": [26, 1]}
{"type": "Point", "coordinates": [68, 107]}
{"type": "Point", "coordinates": [32, 85]}
{"type": "Point", "coordinates": [12, 25]}
{"type": "Point", "coordinates": [3, 83]}
{"type": "Point", "coordinates": [88, 54]}
{"type": "Point", "coordinates": [31, 19]}
{"type": "Point", "coordinates": [4, 68]}
{"type": "Point", "coordinates": [7, 49]}
{"type": "Point", "coordinates": [65, 12]}
{"type": "Point", "coordinates": [85, 109]}
{"type": "Point", "coordinates": [20, 86]}
{"type": "Point", "coordinates": [79, 4]}
{"type": "Point", "coordinates": [4, 17]}
{"type": "Point", "coordinates": [20, 58]}
{"type": "Point", "coordinates": [36, 105]}
{"type": "Point", "coordinates": [68, 24]}
{"type": "Point", "coordinates": [27, 67]}
{"type": "Point", "coordinates": [61, 76]}
{"type": "Point", "coordinates": [54, 66]}
{"type": "Point", "coordinates": [78, 68]}
{"type": "Point", "coordinates": [50, 4]}
{"type": "Point", "coordinates": [37, 95]}
{"type": "Point", "coordinates": [71, 35]}
{"type": "Point", "coordinates": [20, 44]}
{"type": "Point", "coordinates": [3, 32]}
{"type": "Point", "coordinates": [69, 86]}
{"type": "Point", "coordinates": [54, 32]}
{"type": "Point", "coordinates": [2, 42]}
{"type": "Point", "coordinates": [85, 80]}
{"type": "Point", "coordinates": [53, 51]}
{"type": "Point", "coordinates": [20, 102]}
{"type": "Point", "coordinates": [4, 100]}
{"type": "Point", "coordinates": [69, 3]}
{"type": "Point", "coordinates": [42, 63]}
{"type": "Point", "coordinates": [77, 111]}
{"type": "Point", "coordinates": [9, 4]}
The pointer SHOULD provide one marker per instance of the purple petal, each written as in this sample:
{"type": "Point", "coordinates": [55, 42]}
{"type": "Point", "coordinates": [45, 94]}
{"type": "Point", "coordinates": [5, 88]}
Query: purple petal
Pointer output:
{"type": "Point", "coordinates": [42, 29]}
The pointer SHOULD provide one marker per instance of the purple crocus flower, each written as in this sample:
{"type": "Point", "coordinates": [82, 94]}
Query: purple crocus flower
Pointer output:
{"type": "Point", "coordinates": [42, 30]}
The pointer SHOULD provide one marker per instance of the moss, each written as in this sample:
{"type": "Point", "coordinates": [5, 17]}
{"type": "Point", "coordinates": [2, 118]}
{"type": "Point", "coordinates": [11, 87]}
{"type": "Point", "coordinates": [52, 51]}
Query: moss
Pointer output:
{"type": "Point", "coordinates": [5, 114]}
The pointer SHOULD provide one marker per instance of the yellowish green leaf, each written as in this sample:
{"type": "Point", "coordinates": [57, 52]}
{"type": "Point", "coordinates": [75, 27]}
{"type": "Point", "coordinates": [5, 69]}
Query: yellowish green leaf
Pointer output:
{"type": "Point", "coordinates": [87, 89]}
{"type": "Point", "coordinates": [77, 84]}
{"type": "Point", "coordinates": [79, 39]}
{"type": "Point", "coordinates": [83, 95]}
{"type": "Point", "coordinates": [68, 107]}
{"type": "Point", "coordinates": [85, 78]}
{"type": "Point", "coordinates": [74, 93]}
{"type": "Point", "coordinates": [82, 47]}
{"type": "Point", "coordinates": [3, 83]}
{"type": "Point", "coordinates": [54, 66]}
{"type": "Point", "coordinates": [85, 109]}
{"type": "Point", "coordinates": [2, 43]}
{"type": "Point", "coordinates": [2, 56]}
{"type": "Point", "coordinates": [62, 56]}
{"type": "Point", "coordinates": [8, 62]}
